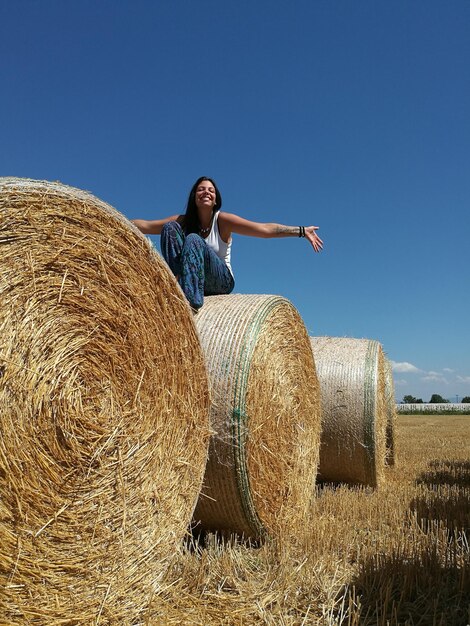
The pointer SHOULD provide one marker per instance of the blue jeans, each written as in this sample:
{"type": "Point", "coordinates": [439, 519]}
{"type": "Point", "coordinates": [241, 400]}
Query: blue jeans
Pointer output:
{"type": "Point", "coordinates": [199, 270]}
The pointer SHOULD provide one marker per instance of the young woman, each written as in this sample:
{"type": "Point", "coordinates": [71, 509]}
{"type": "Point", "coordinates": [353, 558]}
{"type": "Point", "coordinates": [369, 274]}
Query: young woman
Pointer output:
{"type": "Point", "coordinates": [197, 245]}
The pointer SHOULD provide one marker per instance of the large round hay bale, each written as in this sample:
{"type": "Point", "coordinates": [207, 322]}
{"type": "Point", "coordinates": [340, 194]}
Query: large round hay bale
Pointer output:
{"type": "Point", "coordinates": [351, 375]}
{"type": "Point", "coordinates": [104, 410]}
{"type": "Point", "coordinates": [391, 409]}
{"type": "Point", "coordinates": [265, 415]}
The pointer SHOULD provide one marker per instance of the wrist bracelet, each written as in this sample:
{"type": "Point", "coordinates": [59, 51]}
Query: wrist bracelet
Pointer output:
{"type": "Point", "coordinates": [301, 231]}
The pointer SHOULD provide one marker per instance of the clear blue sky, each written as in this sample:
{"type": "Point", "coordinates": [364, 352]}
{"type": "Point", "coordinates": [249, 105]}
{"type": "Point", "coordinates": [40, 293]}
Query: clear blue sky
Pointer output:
{"type": "Point", "coordinates": [350, 115]}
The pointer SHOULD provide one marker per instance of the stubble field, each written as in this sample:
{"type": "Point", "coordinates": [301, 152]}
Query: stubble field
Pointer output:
{"type": "Point", "coordinates": [396, 556]}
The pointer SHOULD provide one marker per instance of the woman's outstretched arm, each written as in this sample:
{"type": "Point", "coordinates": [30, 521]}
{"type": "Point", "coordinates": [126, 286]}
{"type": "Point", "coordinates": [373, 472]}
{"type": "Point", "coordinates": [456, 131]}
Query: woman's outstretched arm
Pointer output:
{"type": "Point", "coordinates": [231, 223]}
{"type": "Point", "coordinates": [154, 227]}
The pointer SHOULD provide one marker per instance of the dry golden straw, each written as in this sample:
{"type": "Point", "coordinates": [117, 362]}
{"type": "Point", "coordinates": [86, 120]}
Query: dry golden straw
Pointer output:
{"type": "Point", "coordinates": [104, 410]}
{"type": "Point", "coordinates": [390, 407]}
{"type": "Point", "coordinates": [352, 381]}
{"type": "Point", "coordinates": [265, 415]}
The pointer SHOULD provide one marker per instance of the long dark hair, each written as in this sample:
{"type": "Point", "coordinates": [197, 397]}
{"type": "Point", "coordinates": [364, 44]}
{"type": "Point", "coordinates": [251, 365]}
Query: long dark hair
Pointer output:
{"type": "Point", "coordinates": [191, 218]}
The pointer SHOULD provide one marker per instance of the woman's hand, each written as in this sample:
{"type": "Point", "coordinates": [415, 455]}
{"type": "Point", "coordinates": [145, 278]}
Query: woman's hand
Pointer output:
{"type": "Point", "coordinates": [311, 235]}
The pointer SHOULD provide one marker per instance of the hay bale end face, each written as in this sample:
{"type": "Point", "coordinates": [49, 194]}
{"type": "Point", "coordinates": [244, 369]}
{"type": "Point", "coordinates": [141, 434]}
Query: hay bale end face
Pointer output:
{"type": "Point", "coordinates": [104, 410]}
{"type": "Point", "coordinates": [352, 381]}
{"type": "Point", "coordinates": [265, 416]}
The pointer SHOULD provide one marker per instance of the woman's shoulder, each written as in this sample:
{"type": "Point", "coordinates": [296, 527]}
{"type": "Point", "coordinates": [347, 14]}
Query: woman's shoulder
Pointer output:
{"type": "Point", "coordinates": [224, 223]}
{"type": "Point", "coordinates": [227, 218]}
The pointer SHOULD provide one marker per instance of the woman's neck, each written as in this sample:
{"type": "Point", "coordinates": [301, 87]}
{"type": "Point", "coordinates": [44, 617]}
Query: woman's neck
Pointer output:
{"type": "Point", "coordinates": [205, 221]}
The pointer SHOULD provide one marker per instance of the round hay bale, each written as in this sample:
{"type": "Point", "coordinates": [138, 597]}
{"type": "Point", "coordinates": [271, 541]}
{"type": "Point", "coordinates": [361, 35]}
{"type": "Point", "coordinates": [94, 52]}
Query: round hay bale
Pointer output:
{"type": "Point", "coordinates": [391, 409]}
{"type": "Point", "coordinates": [265, 416]}
{"type": "Point", "coordinates": [352, 381]}
{"type": "Point", "coordinates": [104, 410]}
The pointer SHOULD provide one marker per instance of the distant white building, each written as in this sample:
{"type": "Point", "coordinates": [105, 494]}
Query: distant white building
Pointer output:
{"type": "Point", "coordinates": [436, 407]}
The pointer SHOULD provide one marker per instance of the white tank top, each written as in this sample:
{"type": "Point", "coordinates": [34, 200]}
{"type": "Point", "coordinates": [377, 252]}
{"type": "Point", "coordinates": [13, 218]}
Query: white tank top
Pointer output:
{"type": "Point", "coordinates": [221, 248]}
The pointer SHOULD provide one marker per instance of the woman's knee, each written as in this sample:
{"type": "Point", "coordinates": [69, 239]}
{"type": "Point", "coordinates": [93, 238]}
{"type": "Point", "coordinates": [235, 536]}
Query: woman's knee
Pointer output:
{"type": "Point", "coordinates": [194, 239]}
{"type": "Point", "coordinates": [170, 227]}
{"type": "Point", "coordinates": [194, 242]}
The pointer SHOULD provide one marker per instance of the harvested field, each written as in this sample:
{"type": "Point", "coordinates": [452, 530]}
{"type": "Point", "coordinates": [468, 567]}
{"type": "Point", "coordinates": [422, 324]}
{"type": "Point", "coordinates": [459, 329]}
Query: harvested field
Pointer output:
{"type": "Point", "coordinates": [397, 556]}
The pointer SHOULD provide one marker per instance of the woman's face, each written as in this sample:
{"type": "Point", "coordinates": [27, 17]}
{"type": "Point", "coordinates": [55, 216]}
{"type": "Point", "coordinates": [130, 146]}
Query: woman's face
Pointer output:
{"type": "Point", "coordinates": [205, 195]}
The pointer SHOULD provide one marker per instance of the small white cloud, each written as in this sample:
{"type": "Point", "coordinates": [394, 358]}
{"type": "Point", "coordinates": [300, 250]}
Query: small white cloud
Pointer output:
{"type": "Point", "coordinates": [463, 379]}
{"type": "Point", "coordinates": [433, 377]}
{"type": "Point", "coordinates": [447, 369]}
{"type": "Point", "coordinates": [404, 367]}
{"type": "Point", "coordinates": [400, 381]}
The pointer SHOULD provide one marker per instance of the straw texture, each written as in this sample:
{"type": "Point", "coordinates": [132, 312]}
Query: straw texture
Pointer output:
{"type": "Point", "coordinates": [351, 375]}
{"type": "Point", "coordinates": [265, 415]}
{"type": "Point", "coordinates": [104, 410]}
{"type": "Point", "coordinates": [390, 406]}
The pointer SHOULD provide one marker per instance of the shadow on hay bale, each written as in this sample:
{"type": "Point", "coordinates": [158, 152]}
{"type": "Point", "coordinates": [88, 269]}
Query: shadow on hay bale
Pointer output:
{"type": "Point", "coordinates": [265, 415]}
{"type": "Point", "coordinates": [104, 410]}
{"type": "Point", "coordinates": [391, 410]}
{"type": "Point", "coordinates": [354, 419]}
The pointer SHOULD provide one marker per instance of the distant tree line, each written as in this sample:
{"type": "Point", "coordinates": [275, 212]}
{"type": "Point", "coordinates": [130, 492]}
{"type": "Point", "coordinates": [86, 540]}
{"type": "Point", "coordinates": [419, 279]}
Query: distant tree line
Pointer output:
{"type": "Point", "coordinates": [435, 399]}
